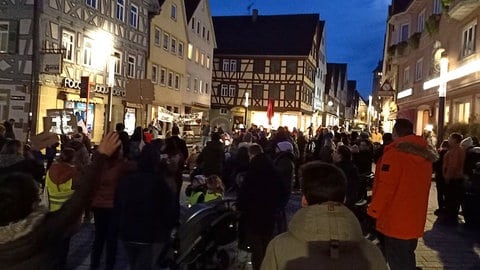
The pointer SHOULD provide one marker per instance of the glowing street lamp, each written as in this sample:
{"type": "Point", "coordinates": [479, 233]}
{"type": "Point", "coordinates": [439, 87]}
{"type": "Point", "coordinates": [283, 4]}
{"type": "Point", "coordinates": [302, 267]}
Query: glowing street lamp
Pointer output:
{"type": "Point", "coordinates": [246, 108]}
{"type": "Point", "coordinates": [442, 93]}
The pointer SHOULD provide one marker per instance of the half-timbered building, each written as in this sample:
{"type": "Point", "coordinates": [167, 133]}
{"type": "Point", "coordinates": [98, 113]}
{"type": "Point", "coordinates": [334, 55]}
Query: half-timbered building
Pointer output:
{"type": "Point", "coordinates": [335, 94]}
{"type": "Point", "coordinates": [262, 58]}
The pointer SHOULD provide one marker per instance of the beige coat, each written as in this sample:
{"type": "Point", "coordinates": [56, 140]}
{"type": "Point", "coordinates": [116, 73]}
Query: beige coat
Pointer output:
{"type": "Point", "coordinates": [306, 245]}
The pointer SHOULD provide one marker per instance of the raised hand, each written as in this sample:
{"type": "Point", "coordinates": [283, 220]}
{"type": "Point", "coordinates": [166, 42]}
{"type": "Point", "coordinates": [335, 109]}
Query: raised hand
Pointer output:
{"type": "Point", "coordinates": [109, 144]}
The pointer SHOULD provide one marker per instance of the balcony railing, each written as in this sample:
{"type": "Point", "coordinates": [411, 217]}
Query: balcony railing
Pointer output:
{"type": "Point", "coordinates": [459, 9]}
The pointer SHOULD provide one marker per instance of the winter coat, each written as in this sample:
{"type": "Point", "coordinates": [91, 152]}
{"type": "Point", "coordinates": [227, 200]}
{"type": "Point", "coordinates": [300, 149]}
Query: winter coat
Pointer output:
{"type": "Point", "coordinates": [146, 208]}
{"type": "Point", "coordinates": [17, 163]}
{"type": "Point", "coordinates": [33, 242]}
{"type": "Point", "coordinates": [211, 159]}
{"type": "Point", "coordinates": [472, 156]}
{"type": "Point", "coordinates": [105, 194]}
{"type": "Point", "coordinates": [353, 181]}
{"type": "Point", "coordinates": [284, 163]}
{"type": "Point", "coordinates": [401, 187]}
{"type": "Point", "coordinates": [307, 243]}
{"type": "Point", "coordinates": [363, 160]}
{"type": "Point", "coordinates": [259, 199]}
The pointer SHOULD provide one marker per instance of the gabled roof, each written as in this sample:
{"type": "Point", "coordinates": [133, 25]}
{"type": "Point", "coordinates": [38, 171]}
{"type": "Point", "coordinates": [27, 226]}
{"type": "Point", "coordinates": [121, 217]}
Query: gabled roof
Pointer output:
{"type": "Point", "coordinates": [190, 7]}
{"type": "Point", "coordinates": [398, 6]}
{"type": "Point", "coordinates": [265, 35]}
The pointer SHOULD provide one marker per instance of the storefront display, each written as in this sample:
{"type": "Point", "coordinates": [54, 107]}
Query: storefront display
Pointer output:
{"type": "Point", "coordinates": [80, 111]}
{"type": "Point", "coordinates": [129, 120]}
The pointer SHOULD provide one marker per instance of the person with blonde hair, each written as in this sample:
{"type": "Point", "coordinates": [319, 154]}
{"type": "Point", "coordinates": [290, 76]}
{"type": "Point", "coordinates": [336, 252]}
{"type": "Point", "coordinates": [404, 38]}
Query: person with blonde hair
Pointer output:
{"type": "Point", "coordinates": [206, 190]}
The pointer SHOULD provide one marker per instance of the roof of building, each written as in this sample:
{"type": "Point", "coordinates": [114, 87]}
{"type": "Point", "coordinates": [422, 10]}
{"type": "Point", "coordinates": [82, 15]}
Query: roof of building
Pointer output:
{"type": "Point", "coordinates": [265, 35]}
{"type": "Point", "coordinates": [190, 7]}
{"type": "Point", "coordinates": [398, 6]}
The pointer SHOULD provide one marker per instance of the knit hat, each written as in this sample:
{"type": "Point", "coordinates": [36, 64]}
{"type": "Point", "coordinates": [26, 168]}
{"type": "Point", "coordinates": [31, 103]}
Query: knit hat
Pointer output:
{"type": "Point", "coordinates": [285, 147]}
{"type": "Point", "coordinates": [467, 142]}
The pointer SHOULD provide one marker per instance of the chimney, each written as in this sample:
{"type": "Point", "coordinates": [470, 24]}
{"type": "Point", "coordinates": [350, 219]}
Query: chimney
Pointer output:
{"type": "Point", "coordinates": [254, 15]}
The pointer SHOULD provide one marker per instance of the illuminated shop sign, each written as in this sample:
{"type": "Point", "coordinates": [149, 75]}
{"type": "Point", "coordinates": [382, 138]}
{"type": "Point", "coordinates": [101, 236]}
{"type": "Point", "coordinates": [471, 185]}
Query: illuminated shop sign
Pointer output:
{"type": "Point", "coordinates": [98, 88]}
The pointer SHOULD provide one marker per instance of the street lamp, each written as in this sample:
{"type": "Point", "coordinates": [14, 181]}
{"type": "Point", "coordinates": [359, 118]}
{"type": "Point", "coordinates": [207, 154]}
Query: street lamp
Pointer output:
{"type": "Point", "coordinates": [246, 108]}
{"type": "Point", "coordinates": [110, 84]}
{"type": "Point", "coordinates": [369, 112]}
{"type": "Point", "coordinates": [442, 93]}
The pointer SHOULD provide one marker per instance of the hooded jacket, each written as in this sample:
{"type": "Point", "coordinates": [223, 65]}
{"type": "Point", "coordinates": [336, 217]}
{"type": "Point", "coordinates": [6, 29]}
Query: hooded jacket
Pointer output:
{"type": "Point", "coordinates": [401, 187]}
{"type": "Point", "coordinates": [17, 163]}
{"type": "Point", "coordinates": [325, 236]}
{"type": "Point", "coordinates": [33, 242]}
{"type": "Point", "coordinates": [285, 165]}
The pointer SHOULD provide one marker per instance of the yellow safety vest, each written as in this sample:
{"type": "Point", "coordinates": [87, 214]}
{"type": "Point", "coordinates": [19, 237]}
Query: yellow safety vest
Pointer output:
{"type": "Point", "coordinates": [207, 197]}
{"type": "Point", "coordinates": [58, 194]}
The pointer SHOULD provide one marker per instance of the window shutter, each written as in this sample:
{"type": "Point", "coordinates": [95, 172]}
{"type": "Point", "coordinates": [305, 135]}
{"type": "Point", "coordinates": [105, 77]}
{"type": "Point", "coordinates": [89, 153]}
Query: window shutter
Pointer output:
{"type": "Point", "coordinates": [12, 37]}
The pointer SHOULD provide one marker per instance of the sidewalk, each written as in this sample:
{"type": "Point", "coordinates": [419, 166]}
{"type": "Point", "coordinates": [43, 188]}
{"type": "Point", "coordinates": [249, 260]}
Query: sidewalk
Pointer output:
{"type": "Point", "coordinates": [442, 247]}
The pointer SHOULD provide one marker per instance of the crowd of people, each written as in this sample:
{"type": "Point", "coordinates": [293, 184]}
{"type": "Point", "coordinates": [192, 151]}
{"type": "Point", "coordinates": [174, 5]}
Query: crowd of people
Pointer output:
{"type": "Point", "coordinates": [132, 186]}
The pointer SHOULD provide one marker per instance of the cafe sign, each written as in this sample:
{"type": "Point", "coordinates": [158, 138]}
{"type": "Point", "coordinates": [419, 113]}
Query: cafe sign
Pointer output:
{"type": "Point", "coordinates": [51, 63]}
{"type": "Point", "coordinates": [98, 88]}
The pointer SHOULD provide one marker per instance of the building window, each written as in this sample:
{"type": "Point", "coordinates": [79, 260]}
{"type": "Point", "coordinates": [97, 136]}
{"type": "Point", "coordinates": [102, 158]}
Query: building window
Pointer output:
{"type": "Point", "coordinates": [200, 87]}
{"type": "Point", "coordinates": [190, 51]}
{"type": "Point", "coordinates": [226, 65]}
{"type": "Point", "coordinates": [257, 91]}
{"type": "Point", "coordinates": [170, 79]}
{"type": "Point", "coordinates": [233, 65]}
{"type": "Point", "coordinates": [177, 81]}
{"type": "Point", "coordinates": [189, 83]}
{"type": "Point", "coordinates": [173, 12]}
{"type": "Point", "coordinates": [175, 110]}
{"type": "Point", "coordinates": [207, 88]}
{"type": "Point", "coordinates": [259, 66]}
{"type": "Point", "coordinates": [198, 27]}
{"type": "Point", "coordinates": [156, 36]}
{"type": "Point", "coordinates": [274, 91]}
{"type": "Point", "coordinates": [154, 73]}
{"type": "Point", "coordinates": [468, 39]}
{"type": "Point", "coordinates": [203, 32]}
{"type": "Point", "coordinates": [224, 90]}
{"type": "Point", "coordinates": [68, 43]}
{"type": "Point", "coordinates": [290, 92]}
{"type": "Point", "coordinates": [406, 77]}
{"type": "Point", "coordinates": [180, 49]}
{"type": "Point", "coordinates": [419, 70]}
{"type": "Point", "coordinates": [202, 59]}
{"type": "Point", "coordinates": [193, 23]}
{"type": "Point", "coordinates": [118, 63]}
{"type": "Point", "coordinates": [403, 32]}
{"type": "Point", "coordinates": [421, 21]}
{"type": "Point", "coordinates": [208, 35]}
{"type": "Point", "coordinates": [163, 76]}
{"type": "Point", "coordinates": [166, 40]}
{"type": "Point", "coordinates": [134, 16]}
{"type": "Point", "coordinates": [91, 3]}
{"type": "Point", "coordinates": [173, 47]}
{"type": "Point", "coordinates": [208, 62]}
{"type": "Point", "coordinates": [437, 6]}
{"type": "Point", "coordinates": [223, 111]}
{"type": "Point", "coordinates": [120, 11]}
{"type": "Point", "coordinates": [197, 56]}
{"type": "Point", "coordinates": [231, 90]}
{"type": "Point", "coordinates": [87, 51]}
{"type": "Point", "coordinates": [291, 67]}
{"type": "Point", "coordinates": [131, 66]}
{"type": "Point", "coordinates": [462, 112]}
{"type": "Point", "coordinates": [275, 66]}
{"type": "Point", "coordinates": [195, 84]}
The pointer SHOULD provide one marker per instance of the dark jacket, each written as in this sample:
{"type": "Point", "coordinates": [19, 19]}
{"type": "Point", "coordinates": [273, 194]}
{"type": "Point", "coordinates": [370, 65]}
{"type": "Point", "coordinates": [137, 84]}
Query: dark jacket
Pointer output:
{"type": "Point", "coordinates": [33, 242]}
{"type": "Point", "coordinates": [211, 158]}
{"type": "Point", "coordinates": [285, 166]}
{"type": "Point", "coordinates": [259, 199]}
{"type": "Point", "coordinates": [17, 163]}
{"type": "Point", "coordinates": [363, 160]}
{"type": "Point", "coordinates": [146, 208]}
{"type": "Point", "coordinates": [306, 245]}
{"type": "Point", "coordinates": [175, 145]}
{"type": "Point", "coordinates": [353, 181]}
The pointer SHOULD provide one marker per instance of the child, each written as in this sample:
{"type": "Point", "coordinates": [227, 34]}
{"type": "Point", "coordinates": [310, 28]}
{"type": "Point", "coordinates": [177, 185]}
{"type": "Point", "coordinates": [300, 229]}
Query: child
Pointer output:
{"type": "Point", "coordinates": [214, 191]}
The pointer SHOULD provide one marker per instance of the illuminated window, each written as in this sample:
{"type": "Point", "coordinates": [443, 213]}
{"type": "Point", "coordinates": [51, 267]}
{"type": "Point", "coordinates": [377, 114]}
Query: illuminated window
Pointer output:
{"type": "Point", "coordinates": [120, 10]}
{"type": "Point", "coordinates": [200, 87]}
{"type": "Point", "coordinates": [197, 55]}
{"type": "Point", "coordinates": [190, 51]}
{"type": "Point", "coordinates": [208, 62]}
{"type": "Point", "coordinates": [68, 44]}
{"type": "Point", "coordinates": [87, 51]}
{"type": "Point", "coordinates": [462, 112]}
{"type": "Point", "coordinates": [134, 16]}
{"type": "Point", "coordinates": [202, 59]}
{"type": "Point", "coordinates": [468, 39]}
{"type": "Point", "coordinates": [131, 66]}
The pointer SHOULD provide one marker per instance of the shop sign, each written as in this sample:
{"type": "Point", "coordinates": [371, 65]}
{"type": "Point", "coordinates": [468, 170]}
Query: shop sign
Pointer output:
{"type": "Point", "coordinates": [72, 84]}
{"type": "Point", "coordinates": [101, 89]}
{"type": "Point", "coordinates": [51, 63]}
{"type": "Point", "coordinates": [17, 97]}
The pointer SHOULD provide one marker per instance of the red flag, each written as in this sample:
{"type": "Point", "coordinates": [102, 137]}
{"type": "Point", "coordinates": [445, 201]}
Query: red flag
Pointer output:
{"type": "Point", "coordinates": [270, 111]}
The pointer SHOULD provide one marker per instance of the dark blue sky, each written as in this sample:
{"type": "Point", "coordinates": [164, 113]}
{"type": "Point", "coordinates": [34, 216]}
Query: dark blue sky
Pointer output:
{"type": "Point", "coordinates": [354, 29]}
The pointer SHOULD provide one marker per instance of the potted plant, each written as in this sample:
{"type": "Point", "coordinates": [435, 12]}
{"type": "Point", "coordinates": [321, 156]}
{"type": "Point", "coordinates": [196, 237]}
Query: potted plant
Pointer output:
{"type": "Point", "coordinates": [432, 23]}
{"type": "Point", "coordinates": [414, 40]}
{"type": "Point", "coordinates": [401, 47]}
{"type": "Point", "coordinates": [391, 50]}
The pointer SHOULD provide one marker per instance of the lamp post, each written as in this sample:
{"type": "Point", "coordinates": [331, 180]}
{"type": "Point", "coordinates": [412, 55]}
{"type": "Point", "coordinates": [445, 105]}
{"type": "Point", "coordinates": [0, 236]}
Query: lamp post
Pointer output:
{"type": "Point", "coordinates": [246, 109]}
{"type": "Point", "coordinates": [110, 84]}
{"type": "Point", "coordinates": [442, 93]}
{"type": "Point", "coordinates": [369, 113]}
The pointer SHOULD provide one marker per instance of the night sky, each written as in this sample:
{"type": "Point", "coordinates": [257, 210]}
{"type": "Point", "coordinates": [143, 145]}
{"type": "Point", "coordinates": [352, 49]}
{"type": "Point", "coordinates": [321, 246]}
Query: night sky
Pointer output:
{"type": "Point", "coordinates": [354, 29]}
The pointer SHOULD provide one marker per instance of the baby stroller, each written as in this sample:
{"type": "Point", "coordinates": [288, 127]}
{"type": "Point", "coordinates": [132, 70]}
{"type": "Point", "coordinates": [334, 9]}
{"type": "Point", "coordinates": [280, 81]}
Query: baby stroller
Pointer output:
{"type": "Point", "coordinates": [206, 237]}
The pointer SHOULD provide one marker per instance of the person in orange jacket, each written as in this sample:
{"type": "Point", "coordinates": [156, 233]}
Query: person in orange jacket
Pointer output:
{"type": "Point", "coordinates": [400, 194]}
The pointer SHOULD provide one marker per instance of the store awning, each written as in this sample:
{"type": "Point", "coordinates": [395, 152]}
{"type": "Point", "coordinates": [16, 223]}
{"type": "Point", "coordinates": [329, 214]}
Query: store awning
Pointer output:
{"type": "Point", "coordinates": [75, 97]}
{"type": "Point", "coordinates": [139, 91]}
